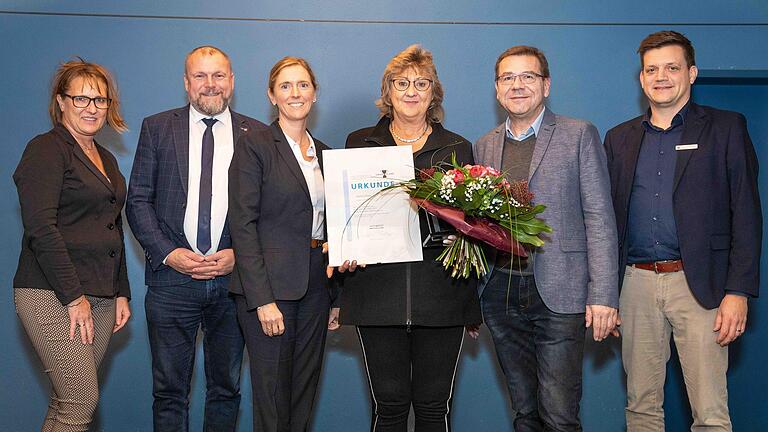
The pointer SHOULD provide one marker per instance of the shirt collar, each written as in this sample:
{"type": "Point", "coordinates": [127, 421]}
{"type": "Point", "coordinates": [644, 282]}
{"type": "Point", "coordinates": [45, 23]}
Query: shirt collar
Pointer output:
{"type": "Point", "coordinates": [224, 117]}
{"type": "Point", "coordinates": [532, 130]}
{"type": "Point", "coordinates": [677, 120]}
{"type": "Point", "coordinates": [311, 151]}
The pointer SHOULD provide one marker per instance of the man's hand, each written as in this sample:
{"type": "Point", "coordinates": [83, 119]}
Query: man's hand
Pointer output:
{"type": "Point", "coordinates": [187, 262]}
{"type": "Point", "coordinates": [219, 264]}
{"type": "Point", "coordinates": [271, 319]}
{"type": "Point", "coordinates": [602, 319]}
{"type": "Point", "coordinates": [731, 320]}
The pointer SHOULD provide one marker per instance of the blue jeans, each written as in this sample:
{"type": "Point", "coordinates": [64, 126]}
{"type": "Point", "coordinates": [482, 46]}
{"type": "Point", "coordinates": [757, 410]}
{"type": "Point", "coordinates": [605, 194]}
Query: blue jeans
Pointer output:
{"type": "Point", "coordinates": [540, 352]}
{"type": "Point", "coordinates": [174, 314]}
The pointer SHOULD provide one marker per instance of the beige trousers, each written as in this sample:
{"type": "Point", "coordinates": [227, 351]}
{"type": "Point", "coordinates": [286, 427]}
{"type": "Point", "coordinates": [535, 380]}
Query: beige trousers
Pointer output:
{"type": "Point", "coordinates": [71, 366]}
{"type": "Point", "coordinates": [654, 307]}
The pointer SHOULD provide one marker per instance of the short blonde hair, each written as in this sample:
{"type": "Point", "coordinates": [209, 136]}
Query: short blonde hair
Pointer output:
{"type": "Point", "coordinates": [413, 57]}
{"type": "Point", "coordinates": [94, 74]}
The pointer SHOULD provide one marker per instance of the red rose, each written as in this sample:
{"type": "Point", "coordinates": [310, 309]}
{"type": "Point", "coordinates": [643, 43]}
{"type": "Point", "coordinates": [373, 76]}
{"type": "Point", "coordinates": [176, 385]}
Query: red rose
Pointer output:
{"type": "Point", "coordinates": [477, 171]}
{"type": "Point", "coordinates": [458, 177]}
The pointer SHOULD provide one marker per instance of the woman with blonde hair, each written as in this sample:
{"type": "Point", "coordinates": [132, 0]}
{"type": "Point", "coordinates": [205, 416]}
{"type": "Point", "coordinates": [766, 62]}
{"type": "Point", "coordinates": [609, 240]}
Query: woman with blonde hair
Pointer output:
{"type": "Point", "coordinates": [71, 285]}
{"type": "Point", "coordinates": [277, 223]}
{"type": "Point", "coordinates": [410, 317]}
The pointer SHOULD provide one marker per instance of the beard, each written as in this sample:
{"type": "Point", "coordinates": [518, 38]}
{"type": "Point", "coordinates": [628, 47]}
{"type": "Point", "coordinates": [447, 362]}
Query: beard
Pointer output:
{"type": "Point", "coordinates": [210, 104]}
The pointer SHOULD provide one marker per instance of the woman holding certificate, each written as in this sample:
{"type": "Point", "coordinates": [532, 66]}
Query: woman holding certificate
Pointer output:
{"type": "Point", "coordinates": [277, 223]}
{"type": "Point", "coordinates": [410, 317]}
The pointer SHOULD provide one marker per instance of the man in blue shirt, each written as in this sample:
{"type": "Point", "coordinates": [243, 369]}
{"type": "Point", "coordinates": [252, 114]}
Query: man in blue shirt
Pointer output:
{"type": "Point", "coordinates": [684, 188]}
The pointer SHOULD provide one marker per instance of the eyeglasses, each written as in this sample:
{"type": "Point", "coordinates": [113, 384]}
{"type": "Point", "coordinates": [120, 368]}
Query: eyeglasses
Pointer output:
{"type": "Point", "coordinates": [526, 77]}
{"type": "Point", "coordinates": [420, 84]}
{"type": "Point", "coordinates": [80, 101]}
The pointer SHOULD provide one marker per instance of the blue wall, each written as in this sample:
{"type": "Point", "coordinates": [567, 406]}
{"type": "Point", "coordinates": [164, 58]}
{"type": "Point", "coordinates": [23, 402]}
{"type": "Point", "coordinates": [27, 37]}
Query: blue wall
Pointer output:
{"type": "Point", "coordinates": [591, 48]}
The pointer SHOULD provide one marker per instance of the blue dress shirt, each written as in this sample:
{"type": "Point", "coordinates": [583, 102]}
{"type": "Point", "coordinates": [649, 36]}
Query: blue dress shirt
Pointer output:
{"type": "Point", "coordinates": [652, 232]}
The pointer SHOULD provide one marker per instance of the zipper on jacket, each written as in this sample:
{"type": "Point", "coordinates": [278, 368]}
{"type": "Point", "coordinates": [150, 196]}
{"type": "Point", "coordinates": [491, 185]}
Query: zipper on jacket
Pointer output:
{"type": "Point", "coordinates": [408, 321]}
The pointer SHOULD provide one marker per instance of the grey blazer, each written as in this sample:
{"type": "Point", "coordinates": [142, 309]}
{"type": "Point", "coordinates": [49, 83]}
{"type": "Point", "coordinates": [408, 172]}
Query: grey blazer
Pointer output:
{"type": "Point", "coordinates": [578, 264]}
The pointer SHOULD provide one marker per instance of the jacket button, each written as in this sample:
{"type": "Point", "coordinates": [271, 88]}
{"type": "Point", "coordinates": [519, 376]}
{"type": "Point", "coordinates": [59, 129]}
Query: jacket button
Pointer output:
{"type": "Point", "coordinates": [112, 200]}
{"type": "Point", "coordinates": [112, 254]}
{"type": "Point", "coordinates": [111, 226]}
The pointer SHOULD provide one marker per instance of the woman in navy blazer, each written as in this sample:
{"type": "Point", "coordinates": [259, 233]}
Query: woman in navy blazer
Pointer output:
{"type": "Point", "coordinates": [71, 285]}
{"type": "Point", "coordinates": [277, 223]}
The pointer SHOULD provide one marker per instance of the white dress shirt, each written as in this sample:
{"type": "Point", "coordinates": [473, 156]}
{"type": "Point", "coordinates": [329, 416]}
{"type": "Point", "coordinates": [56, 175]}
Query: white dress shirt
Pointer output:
{"type": "Point", "coordinates": [315, 184]}
{"type": "Point", "coordinates": [223, 144]}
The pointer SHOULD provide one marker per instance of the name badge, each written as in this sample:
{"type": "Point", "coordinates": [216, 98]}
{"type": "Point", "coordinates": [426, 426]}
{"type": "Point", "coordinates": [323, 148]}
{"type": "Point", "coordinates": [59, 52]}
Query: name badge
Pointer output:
{"type": "Point", "coordinates": [686, 147]}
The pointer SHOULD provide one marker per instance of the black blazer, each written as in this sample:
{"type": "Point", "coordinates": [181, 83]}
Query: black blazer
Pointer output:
{"type": "Point", "coordinates": [157, 195]}
{"type": "Point", "coordinates": [270, 219]}
{"type": "Point", "coordinates": [715, 198]}
{"type": "Point", "coordinates": [73, 231]}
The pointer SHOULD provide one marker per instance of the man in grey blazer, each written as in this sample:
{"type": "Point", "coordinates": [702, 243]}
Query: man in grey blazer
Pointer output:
{"type": "Point", "coordinates": [537, 308]}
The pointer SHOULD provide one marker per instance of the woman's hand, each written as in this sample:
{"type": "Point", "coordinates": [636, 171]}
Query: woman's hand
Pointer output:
{"type": "Point", "coordinates": [122, 313]}
{"type": "Point", "coordinates": [271, 319]}
{"type": "Point", "coordinates": [333, 319]}
{"type": "Point", "coordinates": [80, 315]}
{"type": "Point", "coordinates": [345, 267]}
{"type": "Point", "coordinates": [473, 330]}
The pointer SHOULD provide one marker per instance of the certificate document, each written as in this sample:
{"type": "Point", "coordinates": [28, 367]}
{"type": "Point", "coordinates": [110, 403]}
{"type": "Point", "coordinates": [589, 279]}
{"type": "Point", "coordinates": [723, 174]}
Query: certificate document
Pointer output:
{"type": "Point", "coordinates": [365, 222]}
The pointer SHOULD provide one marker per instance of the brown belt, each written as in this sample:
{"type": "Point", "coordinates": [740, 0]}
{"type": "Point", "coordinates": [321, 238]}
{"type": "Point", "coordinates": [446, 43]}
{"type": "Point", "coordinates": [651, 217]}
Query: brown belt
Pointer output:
{"type": "Point", "coordinates": [315, 243]}
{"type": "Point", "coordinates": [669, 266]}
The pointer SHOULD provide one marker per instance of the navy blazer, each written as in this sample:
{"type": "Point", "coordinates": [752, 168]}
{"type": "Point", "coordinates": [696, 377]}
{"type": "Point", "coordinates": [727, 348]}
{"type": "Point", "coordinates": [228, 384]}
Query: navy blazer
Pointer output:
{"type": "Point", "coordinates": [715, 199]}
{"type": "Point", "coordinates": [157, 194]}
{"type": "Point", "coordinates": [270, 216]}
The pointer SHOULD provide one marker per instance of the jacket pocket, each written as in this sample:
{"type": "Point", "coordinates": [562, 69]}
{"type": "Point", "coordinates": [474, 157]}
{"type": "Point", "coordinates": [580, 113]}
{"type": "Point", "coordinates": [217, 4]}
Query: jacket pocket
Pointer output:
{"type": "Point", "coordinates": [720, 241]}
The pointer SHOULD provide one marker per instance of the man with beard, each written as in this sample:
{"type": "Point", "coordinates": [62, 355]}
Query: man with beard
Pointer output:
{"type": "Point", "coordinates": [177, 208]}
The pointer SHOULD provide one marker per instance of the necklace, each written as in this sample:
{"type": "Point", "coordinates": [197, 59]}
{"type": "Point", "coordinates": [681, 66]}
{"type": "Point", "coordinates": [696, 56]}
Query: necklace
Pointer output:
{"type": "Point", "coordinates": [407, 140]}
{"type": "Point", "coordinates": [87, 149]}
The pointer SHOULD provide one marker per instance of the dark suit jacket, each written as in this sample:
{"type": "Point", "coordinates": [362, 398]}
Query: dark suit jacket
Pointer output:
{"type": "Point", "coordinates": [716, 202]}
{"type": "Point", "coordinates": [73, 231]}
{"type": "Point", "coordinates": [270, 216]}
{"type": "Point", "coordinates": [157, 195]}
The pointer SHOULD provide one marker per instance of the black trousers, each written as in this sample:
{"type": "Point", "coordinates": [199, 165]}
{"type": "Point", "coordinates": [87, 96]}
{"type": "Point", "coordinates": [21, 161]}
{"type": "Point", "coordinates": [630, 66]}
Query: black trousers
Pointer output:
{"type": "Point", "coordinates": [285, 369]}
{"type": "Point", "coordinates": [416, 366]}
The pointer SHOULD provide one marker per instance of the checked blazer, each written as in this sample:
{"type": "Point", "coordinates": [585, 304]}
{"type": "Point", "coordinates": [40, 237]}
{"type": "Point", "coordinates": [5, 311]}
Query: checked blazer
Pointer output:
{"type": "Point", "coordinates": [157, 195]}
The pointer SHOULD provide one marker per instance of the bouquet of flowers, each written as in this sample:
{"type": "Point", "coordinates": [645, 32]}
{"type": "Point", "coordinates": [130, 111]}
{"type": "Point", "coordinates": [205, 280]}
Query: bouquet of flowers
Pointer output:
{"type": "Point", "coordinates": [483, 207]}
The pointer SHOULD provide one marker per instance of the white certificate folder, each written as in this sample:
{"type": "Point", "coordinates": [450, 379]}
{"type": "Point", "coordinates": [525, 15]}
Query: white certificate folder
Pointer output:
{"type": "Point", "coordinates": [366, 221]}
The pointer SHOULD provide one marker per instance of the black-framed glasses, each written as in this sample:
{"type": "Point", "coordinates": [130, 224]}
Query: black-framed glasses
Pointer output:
{"type": "Point", "coordinates": [420, 84]}
{"type": "Point", "coordinates": [526, 77]}
{"type": "Point", "coordinates": [81, 101]}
